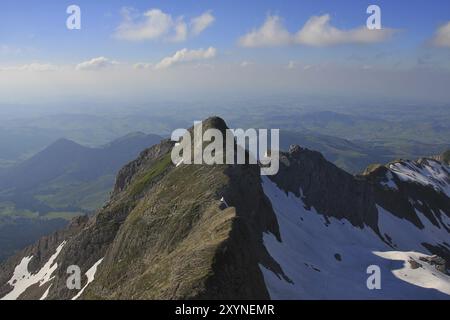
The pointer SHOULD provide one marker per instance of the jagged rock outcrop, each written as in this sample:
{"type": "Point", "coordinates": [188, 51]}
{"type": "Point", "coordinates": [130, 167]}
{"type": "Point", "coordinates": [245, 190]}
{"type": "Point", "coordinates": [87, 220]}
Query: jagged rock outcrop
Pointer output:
{"type": "Point", "coordinates": [402, 187]}
{"type": "Point", "coordinates": [406, 188]}
{"type": "Point", "coordinates": [330, 190]}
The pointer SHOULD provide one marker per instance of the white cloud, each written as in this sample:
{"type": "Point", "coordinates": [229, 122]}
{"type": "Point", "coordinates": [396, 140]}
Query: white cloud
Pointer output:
{"type": "Point", "coordinates": [186, 55]}
{"type": "Point", "coordinates": [33, 67]}
{"type": "Point", "coordinates": [292, 65]}
{"type": "Point", "coordinates": [271, 33]}
{"type": "Point", "coordinates": [96, 64]}
{"type": "Point", "coordinates": [153, 24]}
{"type": "Point", "coordinates": [442, 36]}
{"type": "Point", "coordinates": [317, 31]}
{"type": "Point", "coordinates": [200, 23]}
{"type": "Point", "coordinates": [156, 24]}
{"type": "Point", "coordinates": [181, 31]}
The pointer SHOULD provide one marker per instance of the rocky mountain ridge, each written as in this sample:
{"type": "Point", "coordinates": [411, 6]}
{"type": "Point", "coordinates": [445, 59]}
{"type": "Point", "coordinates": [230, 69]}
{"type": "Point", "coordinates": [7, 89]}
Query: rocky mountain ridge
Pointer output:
{"type": "Point", "coordinates": [225, 232]}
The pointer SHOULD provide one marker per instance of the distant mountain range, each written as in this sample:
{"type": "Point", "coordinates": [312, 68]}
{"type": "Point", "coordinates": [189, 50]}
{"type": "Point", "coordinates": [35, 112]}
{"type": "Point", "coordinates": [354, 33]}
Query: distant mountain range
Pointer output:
{"type": "Point", "coordinates": [67, 159]}
{"type": "Point", "coordinates": [63, 180]}
{"type": "Point", "coordinates": [312, 231]}
{"type": "Point", "coordinates": [356, 155]}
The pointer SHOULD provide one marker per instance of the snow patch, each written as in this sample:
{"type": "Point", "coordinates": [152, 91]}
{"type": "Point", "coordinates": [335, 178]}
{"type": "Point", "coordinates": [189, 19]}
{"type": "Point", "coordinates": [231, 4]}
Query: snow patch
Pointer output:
{"type": "Point", "coordinates": [425, 276]}
{"type": "Point", "coordinates": [404, 234]}
{"type": "Point", "coordinates": [22, 279]}
{"type": "Point", "coordinates": [390, 183]}
{"type": "Point", "coordinates": [428, 173]}
{"type": "Point", "coordinates": [445, 219]}
{"type": "Point", "coordinates": [45, 295]}
{"type": "Point", "coordinates": [90, 274]}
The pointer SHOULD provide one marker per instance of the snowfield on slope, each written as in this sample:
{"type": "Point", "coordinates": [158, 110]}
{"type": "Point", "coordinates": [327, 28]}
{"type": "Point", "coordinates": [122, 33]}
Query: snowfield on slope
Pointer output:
{"type": "Point", "coordinates": [428, 173]}
{"type": "Point", "coordinates": [330, 260]}
{"type": "Point", "coordinates": [22, 279]}
{"type": "Point", "coordinates": [425, 276]}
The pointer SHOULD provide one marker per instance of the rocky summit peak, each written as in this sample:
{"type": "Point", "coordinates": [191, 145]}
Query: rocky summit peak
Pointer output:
{"type": "Point", "coordinates": [215, 123]}
{"type": "Point", "coordinates": [295, 149]}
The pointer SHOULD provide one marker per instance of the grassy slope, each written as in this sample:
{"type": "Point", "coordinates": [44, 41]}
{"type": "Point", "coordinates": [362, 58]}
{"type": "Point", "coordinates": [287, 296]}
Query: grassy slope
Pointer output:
{"type": "Point", "coordinates": [181, 225]}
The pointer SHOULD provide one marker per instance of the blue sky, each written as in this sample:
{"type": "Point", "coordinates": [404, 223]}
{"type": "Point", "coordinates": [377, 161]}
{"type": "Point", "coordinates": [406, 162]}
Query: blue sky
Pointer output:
{"type": "Point", "coordinates": [35, 33]}
{"type": "Point", "coordinates": [40, 28]}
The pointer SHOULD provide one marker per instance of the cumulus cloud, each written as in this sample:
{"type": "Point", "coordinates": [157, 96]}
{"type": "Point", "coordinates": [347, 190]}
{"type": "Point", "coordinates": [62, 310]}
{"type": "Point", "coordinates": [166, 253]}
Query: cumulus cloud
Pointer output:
{"type": "Point", "coordinates": [442, 36]}
{"type": "Point", "coordinates": [186, 55]}
{"type": "Point", "coordinates": [202, 22]}
{"type": "Point", "coordinates": [271, 33]}
{"type": "Point", "coordinates": [33, 67]}
{"type": "Point", "coordinates": [317, 31]}
{"type": "Point", "coordinates": [96, 64]}
{"type": "Point", "coordinates": [156, 24]}
{"type": "Point", "coordinates": [151, 25]}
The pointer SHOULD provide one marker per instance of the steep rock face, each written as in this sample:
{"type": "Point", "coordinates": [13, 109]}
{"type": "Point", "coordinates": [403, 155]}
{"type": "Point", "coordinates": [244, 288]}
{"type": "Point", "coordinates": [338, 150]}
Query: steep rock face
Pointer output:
{"type": "Point", "coordinates": [178, 243]}
{"type": "Point", "coordinates": [403, 187]}
{"type": "Point", "coordinates": [145, 160]}
{"type": "Point", "coordinates": [322, 185]}
{"type": "Point", "coordinates": [417, 191]}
